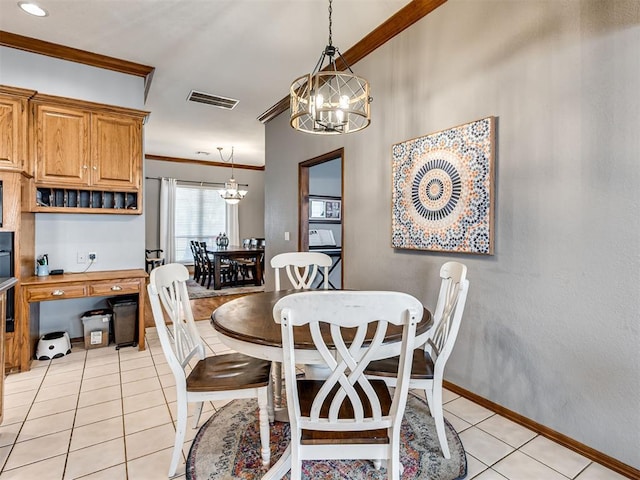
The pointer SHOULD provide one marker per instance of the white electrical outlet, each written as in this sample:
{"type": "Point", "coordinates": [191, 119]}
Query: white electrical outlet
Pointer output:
{"type": "Point", "coordinates": [82, 257]}
{"type": "Point", "coordinates": [93, 257]}
{"type": "Point", "coordinates": [286, 236]}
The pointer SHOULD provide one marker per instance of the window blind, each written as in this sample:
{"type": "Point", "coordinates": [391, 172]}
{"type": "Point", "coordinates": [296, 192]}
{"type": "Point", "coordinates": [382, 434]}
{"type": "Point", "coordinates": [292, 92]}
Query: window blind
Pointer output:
{"type": "Point", "coordinates": [200, 215]}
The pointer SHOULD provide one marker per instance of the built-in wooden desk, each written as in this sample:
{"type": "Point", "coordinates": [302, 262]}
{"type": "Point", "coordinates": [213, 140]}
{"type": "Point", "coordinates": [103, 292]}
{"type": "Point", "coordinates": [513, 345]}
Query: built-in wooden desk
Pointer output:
{"type": "Point", "coordinates": [75, 285]}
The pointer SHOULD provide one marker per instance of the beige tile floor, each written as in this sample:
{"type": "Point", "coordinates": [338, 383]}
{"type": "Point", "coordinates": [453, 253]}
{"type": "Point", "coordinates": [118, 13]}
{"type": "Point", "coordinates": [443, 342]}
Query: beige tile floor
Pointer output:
{"type": "Point", "coordinates": [108, 414]}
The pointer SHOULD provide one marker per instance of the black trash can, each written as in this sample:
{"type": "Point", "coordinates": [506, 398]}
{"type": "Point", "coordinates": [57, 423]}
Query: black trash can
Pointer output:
{"type": "Point", "coordinates": [125, 316]}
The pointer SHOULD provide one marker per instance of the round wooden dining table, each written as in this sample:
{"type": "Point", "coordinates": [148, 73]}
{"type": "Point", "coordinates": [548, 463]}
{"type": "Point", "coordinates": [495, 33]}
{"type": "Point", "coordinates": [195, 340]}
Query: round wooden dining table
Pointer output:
{"type": "Point", "coordinates": [246, 325]}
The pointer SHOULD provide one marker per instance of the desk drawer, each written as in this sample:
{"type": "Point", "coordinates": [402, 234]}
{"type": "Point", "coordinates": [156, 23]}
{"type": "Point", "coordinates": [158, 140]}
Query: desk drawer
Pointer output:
{"type": "Point", "coordinates": [113, 287]}
{"type": "Point", "coordinates": [59, 292]}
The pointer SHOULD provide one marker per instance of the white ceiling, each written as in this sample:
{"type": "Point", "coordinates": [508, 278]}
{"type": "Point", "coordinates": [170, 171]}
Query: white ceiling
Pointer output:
{"type": "Point", "coordinates": [249, 50]}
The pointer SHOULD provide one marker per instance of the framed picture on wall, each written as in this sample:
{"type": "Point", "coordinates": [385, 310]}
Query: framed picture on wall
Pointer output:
{"type": "Point", "coordinates": [443, 190]}
{"type": "Point", "coordinates": [325, 209]}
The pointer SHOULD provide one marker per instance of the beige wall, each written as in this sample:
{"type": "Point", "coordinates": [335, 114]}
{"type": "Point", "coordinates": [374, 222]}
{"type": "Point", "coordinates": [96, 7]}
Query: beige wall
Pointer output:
{"type": "Point", "coordinates": [551, 327]}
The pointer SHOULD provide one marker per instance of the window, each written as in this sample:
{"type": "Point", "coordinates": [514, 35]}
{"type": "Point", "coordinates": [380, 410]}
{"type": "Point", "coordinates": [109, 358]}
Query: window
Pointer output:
{"type": "Point", "coordinates": [200, 215]}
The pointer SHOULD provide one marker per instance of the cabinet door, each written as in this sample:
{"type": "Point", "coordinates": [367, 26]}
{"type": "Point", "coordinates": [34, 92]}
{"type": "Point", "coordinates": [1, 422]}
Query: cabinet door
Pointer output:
{"type": "Point", "coordinates": [62, 145]}
{"type": "Point", "coordinates": [13, 129]}
{"type": "Point", "coordinates": [116, 151]}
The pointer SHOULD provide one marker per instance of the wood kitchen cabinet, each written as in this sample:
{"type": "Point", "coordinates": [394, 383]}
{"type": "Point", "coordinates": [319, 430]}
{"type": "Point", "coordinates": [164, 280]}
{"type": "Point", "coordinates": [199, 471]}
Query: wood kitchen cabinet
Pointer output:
{"type": "Point", "coordinates": [61, 145]}
{"type": "Point", "coordinates": [5, 284]}
{"type": "Point", "coordinates": [116, 151]}
{"type": "Point", "coordinates": [21, 223]}
{"type": "Point", "coordinates": [13, 128]}
{"type": "Point", "coordinates": [83, 146]}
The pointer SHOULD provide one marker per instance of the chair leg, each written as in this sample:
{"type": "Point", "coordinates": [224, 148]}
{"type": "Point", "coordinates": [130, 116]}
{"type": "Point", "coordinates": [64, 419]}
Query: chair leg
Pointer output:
{"type": "Point", "coordinates": [277, 387]}
{"type": "Point", "coordinates": [296, 463]}
{"type": "Point", "coordinates": [439, 419]}
{"type": "Point", "coordinates": [394, 467]}
{"type": "Point", "coordinates": [181, 428]}
{"type": "Point", "coordinates": [197, 413]}
{"type": "Point", "coordinates": [270, 408]}
{"type": "Point", "coordinates": [263, 402]}
{"type": "Point", "coordinates": [428, 392]}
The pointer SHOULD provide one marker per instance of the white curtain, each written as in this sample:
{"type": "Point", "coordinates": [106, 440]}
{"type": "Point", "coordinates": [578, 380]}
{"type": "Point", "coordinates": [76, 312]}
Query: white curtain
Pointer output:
{"type": "Point", "coordinates": [167, 218]}
{"type": "Point", "coordinates": [232, 224]}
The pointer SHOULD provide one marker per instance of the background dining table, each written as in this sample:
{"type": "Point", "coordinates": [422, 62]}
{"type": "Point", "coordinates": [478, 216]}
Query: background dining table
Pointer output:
{"type": "Point", "coordinates": [232, 252]}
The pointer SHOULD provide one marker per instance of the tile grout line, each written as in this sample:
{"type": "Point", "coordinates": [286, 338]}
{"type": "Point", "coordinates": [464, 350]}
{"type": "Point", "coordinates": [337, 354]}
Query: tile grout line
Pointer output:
{"type": "Point", "coordinates": [15, 441]}
{"type": "Point", "coordinates": [124, 429]}
{"type": "Point", "coordinates": [75, 414]}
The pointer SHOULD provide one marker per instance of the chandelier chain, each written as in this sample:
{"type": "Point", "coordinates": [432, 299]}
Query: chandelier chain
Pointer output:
{"type": "Point", "coordinates": [330, 23]}
{"type": "Point", "coordinates": [230, 159]}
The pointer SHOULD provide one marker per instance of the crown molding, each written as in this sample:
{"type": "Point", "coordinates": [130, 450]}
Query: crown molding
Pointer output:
{"type": "Point", "coordinates": [403, 19]}
{"type": "Point", "coordinates": [203, 163]}
{"type": "Point", "coordinates": [33, 45]}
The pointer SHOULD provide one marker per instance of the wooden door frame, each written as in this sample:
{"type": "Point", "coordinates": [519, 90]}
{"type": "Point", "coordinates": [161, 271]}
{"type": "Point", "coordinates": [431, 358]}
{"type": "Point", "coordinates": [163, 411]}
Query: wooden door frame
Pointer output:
{"type": "Point", "coordinates": [303, 200]}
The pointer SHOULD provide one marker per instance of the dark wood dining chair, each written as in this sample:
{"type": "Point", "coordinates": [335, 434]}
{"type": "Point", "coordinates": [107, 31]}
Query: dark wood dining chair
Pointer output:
{"type": "Point", "coordinates": [228, 271]}
{"type": "Point", "coordinates": [428, 362]}
{"type": "Point", "coordinates": [219, 377]}
{"type": "Point", "coordinates": [197, 269]}
{"type": "Point", "coordinates": [153, 258]}
{"type": "Point", "coordinates": [345, 415]}
{"type": "Point", "coordinates": [206, 264]}
{"type": "Point", "coordinates": [247, 268]}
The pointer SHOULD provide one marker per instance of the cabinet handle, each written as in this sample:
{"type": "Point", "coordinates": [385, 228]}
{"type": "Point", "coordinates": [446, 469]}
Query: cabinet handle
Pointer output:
{"type": "Point", "coordinates": [95, 168]}
{"type": "Point", "coordinates": [57, 293]}
{"type": "Point", "coordinates": [116, 288]}
{"type": "Point", "coordinates": [85, 167]}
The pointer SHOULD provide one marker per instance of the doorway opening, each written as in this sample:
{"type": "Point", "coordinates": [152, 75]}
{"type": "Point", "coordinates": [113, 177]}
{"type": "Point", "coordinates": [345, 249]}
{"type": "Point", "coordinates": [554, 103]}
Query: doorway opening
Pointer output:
{"type": "Point", "coordinates": [321, 210]}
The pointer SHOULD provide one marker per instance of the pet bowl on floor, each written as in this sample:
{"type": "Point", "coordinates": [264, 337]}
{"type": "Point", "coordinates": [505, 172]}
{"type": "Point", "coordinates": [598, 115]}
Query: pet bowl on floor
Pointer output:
{"type": "Point", "coordinates": [53, 345]}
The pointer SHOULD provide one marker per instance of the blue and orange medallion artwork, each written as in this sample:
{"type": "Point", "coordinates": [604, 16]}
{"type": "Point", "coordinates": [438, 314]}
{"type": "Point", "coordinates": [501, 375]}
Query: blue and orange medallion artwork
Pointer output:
{"type": "Point", "coordinates": [443, 190]}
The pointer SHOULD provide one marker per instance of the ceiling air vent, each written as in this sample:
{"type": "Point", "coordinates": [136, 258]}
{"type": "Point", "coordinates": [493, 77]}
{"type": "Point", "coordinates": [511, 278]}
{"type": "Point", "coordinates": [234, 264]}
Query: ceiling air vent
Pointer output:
{"type": "Point", "coordinates": [215, 100]}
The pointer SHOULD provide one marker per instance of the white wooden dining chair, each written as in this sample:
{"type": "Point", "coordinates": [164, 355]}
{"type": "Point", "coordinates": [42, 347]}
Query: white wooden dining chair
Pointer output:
{"type": "Point", "coordinates": [199, 378]}
{"type": "Point", "coordinates": [346, 415]}
{"type": "Point", "coordinates": [302, 268]}
{"type": "Point", "coordinates": [428, 362]}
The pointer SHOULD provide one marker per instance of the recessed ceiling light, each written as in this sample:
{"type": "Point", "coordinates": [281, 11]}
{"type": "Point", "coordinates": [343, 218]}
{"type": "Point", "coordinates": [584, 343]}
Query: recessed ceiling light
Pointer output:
{"type": "Point", "coordinates": [33, 9]}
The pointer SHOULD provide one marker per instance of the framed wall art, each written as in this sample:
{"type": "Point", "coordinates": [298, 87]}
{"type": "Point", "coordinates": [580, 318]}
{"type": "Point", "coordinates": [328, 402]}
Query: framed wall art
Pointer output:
{"type": "Point", "coordinates": [325, 209]}
{"type": "Point", "coordinates": [443, 190]}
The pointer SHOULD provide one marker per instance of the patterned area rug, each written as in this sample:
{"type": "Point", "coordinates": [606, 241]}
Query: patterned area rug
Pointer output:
{"type": "Point", "coordinates": [198, 291]}
{"type": "Point", "coordinates": [227, 447]}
